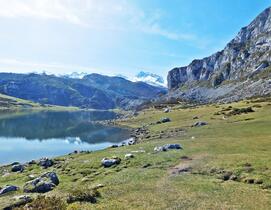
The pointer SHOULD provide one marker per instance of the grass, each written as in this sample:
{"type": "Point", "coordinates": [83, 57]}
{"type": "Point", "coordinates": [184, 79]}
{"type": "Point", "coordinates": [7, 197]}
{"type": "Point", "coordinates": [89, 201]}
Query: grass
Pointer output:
{"type": "Point", "coordinates": [12, 103]}
{"type": "Point", "coordinates": [239, 144]}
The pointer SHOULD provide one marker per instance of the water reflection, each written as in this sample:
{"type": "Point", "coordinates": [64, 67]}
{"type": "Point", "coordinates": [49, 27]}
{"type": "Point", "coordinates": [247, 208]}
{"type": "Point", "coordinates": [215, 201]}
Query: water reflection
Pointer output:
{"type": "Point", "coordinates": [28, 135]}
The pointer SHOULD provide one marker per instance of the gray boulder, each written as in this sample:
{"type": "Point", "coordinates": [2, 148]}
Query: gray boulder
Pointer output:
{"type": "Point", "coordinates": [17, 168]}
{"type": "Point", "coordinates": [42, 184]}
{"type": "Point", "coordinates": [199, 124]}
{"type": "Point", "coordinates": [7, 189]}
{"type": "Point", "coordinates": [167, 147]}
{"type": "Point", "coordinates": [164, 120]}
{"type": "Point", "coordinates": [46, 162]}
{"type": "Point", "coordinates": [108, 162]}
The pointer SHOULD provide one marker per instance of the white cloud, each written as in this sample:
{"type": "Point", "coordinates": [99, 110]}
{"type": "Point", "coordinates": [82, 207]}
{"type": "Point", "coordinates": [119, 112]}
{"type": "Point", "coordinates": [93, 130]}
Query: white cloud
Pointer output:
{"type": "Point", "coordinates": [97, 14]}
{"type": "Point", "coordinates": [18, 66]}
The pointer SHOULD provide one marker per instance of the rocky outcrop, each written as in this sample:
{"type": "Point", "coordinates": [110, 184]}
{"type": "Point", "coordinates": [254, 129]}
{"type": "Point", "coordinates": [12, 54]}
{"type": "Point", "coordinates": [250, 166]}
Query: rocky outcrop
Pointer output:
{"type": "Point", "coordinates": [243, 62]}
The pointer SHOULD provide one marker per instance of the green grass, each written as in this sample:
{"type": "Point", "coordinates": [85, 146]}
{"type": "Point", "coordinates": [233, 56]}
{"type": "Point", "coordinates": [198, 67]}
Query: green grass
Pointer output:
{"type": "Point", "coordinates": [12, 103]}
{"type": "Point", "coordinates": [223, 145]}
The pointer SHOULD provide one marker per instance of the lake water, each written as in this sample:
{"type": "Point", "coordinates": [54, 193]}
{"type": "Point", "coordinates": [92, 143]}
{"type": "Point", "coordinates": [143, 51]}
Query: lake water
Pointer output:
{"type": "Point", "coordinates": [26, 135]}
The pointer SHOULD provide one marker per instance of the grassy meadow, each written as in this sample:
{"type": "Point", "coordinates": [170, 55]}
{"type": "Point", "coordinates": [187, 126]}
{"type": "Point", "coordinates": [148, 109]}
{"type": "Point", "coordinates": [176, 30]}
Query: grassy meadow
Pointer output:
{"type": "Point", "coordinates": [223, 165]}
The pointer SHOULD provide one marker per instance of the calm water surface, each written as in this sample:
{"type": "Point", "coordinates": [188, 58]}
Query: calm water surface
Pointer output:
{"type": "Point", "coordinates": [26, 135]}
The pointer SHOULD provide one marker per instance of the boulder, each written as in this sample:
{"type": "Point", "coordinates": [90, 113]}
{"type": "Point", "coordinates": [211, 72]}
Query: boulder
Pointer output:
{"type": "Point", "coordinates": [128, 156]}
{"type": "Point", "coordinates": [163, 120]}
{"type": "Point", "coordinates": [42, 184]}
{"type": "Point", "coordinates": [108, 162]}
{"type": "Point", "coordinates": [199, 124]}
{"type": "Point", "coordinates": [17, 168]}
{"type": "Point", "coordinates": [167, 147]}
{"type": "Point", "coordinates": [46, 162]}
{"type": "Point", "coordinates": [7, 189]}
{"type": "Point", "coordinates": [166, 110]}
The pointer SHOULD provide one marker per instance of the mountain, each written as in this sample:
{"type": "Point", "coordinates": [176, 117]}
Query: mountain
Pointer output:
{"type": "Point", "coordinates": [241, 70]}
{"type": "Point", "coordinates": [75, 75]}
{"type": "Point", "coordinates": [150, 78]}
{"type": "Point", "coordinates": [92, 91]}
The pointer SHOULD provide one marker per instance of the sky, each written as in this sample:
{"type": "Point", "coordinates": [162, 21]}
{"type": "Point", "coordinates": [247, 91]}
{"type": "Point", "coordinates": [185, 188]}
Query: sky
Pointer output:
{"type": "Point", "coordinates": [116, 36]}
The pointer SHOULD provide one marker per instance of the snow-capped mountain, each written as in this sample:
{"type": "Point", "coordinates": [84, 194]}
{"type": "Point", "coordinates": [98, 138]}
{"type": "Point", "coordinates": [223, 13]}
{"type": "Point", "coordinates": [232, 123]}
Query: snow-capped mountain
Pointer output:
{"type": "Point", "coordinates": [150, 78]}
{"type": "Point", "coordinates": [76, 75]}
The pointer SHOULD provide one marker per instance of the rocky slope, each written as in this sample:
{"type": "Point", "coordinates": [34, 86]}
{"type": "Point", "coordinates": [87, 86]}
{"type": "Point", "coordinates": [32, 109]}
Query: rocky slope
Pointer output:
{"type": "Point", "coordinates": [93, 91]}
{"type": "Point", "coordinates": [240, 70]}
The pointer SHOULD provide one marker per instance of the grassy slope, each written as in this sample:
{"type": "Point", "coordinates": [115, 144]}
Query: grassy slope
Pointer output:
{"type": "Point", "coordinates": [12, 103]}
{"type": "Point", "coordinates": [227, 144]}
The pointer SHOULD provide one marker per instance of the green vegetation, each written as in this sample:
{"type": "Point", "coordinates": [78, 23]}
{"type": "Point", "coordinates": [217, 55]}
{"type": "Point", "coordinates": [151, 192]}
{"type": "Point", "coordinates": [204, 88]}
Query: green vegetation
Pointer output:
{"type": "Point", "coordinates": [223, 165]}
{"type": "Point", "coordinates": [12, 103]}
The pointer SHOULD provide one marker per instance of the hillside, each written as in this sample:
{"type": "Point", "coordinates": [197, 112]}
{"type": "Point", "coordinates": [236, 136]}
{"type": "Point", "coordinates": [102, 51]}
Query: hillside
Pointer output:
{"type": "Point", "coordinates": [223, 165]}
{"type": "Point", "coordinates": [93, 91]}
{"type": "Point", "coordinates": [8, 102]}
{"type": "Point", "coordinates": [240, 70]}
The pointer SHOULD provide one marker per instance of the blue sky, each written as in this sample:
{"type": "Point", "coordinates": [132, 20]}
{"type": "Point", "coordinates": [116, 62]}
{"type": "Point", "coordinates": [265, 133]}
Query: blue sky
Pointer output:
{"type": "Point", "coordinates": [116, 36]}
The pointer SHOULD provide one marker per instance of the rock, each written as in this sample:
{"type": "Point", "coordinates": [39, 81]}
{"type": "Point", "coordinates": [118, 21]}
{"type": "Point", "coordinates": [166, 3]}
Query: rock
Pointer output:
{"type": "Point", "coordinates": [249, 181]}
{"type": "Point", "coordinates": [199, 124]}
{"type": "Point", "coordinates": [15, 163]}
{"type": "Point", "coordinates": [46, 162]}
{"type": "Point", "coordinates": [195, 117]}
{"type": "Point", "coordinates": [19, 201]}
{"type": "Point", "coordinates": [8, 188]}
{"type": "Point", "coordinates": [146, 165]}
{"type": "Point", "coordinates": [233, 177]}
{"type": "Point", "coordinates": [17, 168]}
{"type": "Point", "coordinates": [167, 147]}
{"type": "Point", "coordinates": [166, 110]}
{"type": "Point", "coordinates": [108, 162]}
{"type": "Point", "coordinates": [114, 146]}
{"type": "Point", "coordinates": [163, 120]}
{"type": "Point", "coordinates": [42, 184]}
{"type": "Point", "coordinates": [128, 156]}
{"type": "Point", "coordinates": [32, 162]}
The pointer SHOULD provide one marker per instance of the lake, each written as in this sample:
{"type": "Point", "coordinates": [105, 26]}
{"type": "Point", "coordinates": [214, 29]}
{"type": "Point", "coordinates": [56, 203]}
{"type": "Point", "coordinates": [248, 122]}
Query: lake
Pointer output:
{"type": "Point", "coordinates": [31, 135]}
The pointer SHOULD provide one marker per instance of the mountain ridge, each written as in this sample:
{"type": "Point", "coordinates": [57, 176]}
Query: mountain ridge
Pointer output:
{"type": "Point", "coordinates": [105, 93]}
{"type": "Point", "coordinates": [223, 75]}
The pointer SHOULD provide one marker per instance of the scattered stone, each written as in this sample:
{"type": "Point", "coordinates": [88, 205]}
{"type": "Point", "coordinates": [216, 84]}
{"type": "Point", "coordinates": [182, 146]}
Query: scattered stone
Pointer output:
{"type": "Point", "coordinates": [128, 156]}
{"type": "Point", "coordinates": [167, 147]}
{"type": "Point", "coordinates": [46, 163]}
{"type": "Point", "coordinates": [114, 146]}
{"type": "Point", "coordinates": [233, 177]}
{"type": "Point", "coordinates": [15, 163]}
{"type": "Point", "coordinates": [146, 165]}
{"type": "Point", "coordinates": [32, 162]}
{"type": "Point", "coordinates": [138, 151]}
{"type": "Point", "coordinates": [195, 117]}
{"type": "Point", "coordinates": [163, 120]}
{"type": "Point", "coordinates": [258, 181]}
{"type": "Point", "coordinates": [199, 124]}
{"type": "Point", "coordinates": [42, 184]}
{"type": "Point", "coordinates": [185, 158]}
{"type": "Point", "coordinates": [20, 200]}
{"type": "Point", "coordinates": [179, 170]}
{"type": "Point", "coordinates": [249, 181]}
{"type": "Point", "coordinates": [226, 176]}
{"type": "Point", "coordinates": [17, 168]}
{"type": "Point", "coordinates": [166, 110]}
{"type": "Point", "coordinates": [108, 162]}
{"type": "Point", "coordinates": [8, 188]}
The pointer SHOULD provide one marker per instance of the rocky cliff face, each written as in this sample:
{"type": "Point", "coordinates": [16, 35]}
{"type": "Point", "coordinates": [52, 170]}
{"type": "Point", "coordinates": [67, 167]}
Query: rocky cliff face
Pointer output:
{"type": "Point", "coordinates": [242, 63]}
